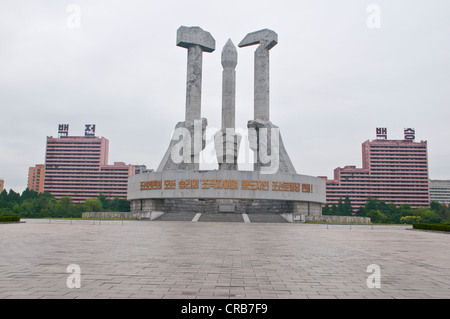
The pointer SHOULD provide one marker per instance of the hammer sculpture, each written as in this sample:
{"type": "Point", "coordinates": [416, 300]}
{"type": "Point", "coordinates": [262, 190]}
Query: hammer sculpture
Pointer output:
{"type": "Point", "coordinates": [196, 41]}
{"type": "Point", "coordinates": [183, 153]}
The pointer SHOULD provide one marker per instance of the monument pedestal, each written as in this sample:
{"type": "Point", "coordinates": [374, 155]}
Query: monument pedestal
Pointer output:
{"type": "Point", "coordinates": [240, 192]}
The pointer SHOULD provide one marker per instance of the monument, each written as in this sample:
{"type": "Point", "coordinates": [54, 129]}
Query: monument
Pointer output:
{"type": "Point", "coordinates": [179, 186]}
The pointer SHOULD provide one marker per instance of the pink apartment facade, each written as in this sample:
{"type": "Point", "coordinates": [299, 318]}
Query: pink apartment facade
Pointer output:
{"type": "Point", "coordinates": [77, 166]}
{"type": "Point", "coordinates": [394, 171]}
{"type": "Point", "coordinates": [36, 178]}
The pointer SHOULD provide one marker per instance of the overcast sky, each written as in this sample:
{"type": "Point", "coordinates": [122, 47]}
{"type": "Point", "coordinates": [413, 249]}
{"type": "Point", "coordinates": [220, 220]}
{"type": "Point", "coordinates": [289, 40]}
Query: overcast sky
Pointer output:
{"type": "Point", "coordinates": [333, 78]}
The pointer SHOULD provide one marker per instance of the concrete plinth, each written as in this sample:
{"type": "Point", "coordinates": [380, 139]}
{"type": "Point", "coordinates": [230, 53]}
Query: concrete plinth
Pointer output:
{"type": "Point", "coordinates": [241, 192]}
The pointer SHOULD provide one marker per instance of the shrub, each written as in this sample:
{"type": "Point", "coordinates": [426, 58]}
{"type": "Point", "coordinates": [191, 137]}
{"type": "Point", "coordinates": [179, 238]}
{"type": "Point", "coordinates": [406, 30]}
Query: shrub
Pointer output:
{"type": "Point", "coordinates": [6, 219]}
{"type": "Point", "coordinates": [440, 227]}
{"type": "Point", "coordinates": [410, 219]}
{"type": "Point", "coordinates": [92, 205]}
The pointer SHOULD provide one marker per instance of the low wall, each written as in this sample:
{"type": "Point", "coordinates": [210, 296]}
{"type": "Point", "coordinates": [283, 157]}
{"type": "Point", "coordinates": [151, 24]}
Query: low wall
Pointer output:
{"type": "Point", "coordinates": [338, 219]}
{"type": "Point", "coordinates": [117, 215]}
{"type": "Point", "coordinates": [290, 217]}
{"type": "Point", "coordinates": [111, 215]}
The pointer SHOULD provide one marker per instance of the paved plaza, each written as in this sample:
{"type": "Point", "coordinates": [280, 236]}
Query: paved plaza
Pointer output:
{"type": "Point", "coordinates": [184, 259]}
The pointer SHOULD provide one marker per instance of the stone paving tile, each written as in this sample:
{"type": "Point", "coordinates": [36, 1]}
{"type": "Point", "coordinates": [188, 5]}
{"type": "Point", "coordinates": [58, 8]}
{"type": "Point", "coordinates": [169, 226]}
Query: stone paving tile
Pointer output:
{"type": "Point", "coordinates": [182, 259]}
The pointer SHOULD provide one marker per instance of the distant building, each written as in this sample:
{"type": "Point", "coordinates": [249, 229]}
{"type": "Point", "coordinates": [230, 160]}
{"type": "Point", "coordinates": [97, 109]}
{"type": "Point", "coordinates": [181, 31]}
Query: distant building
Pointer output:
{"type": "Point", "coordinates": [394, 171]}
{"type": "Point", "coordinates": [36, 178]}
{"type": "Point", "coordinates": [440, 191]}
{"type": "Point", "coordinates": [77, 166]}
{"type": "Point", "coordinates": [141, 169]}
{"type": "Point", "coordinates": [2, 185]}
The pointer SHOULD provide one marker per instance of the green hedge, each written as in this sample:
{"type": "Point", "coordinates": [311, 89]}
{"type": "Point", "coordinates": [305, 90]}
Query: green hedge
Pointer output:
{"type": "Point", "coordinates": [440, 227]}
{"type": "Point", "coordinates": [6, 219]}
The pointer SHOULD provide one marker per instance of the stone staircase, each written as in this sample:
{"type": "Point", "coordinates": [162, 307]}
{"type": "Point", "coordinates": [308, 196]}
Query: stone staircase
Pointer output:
{"type": "Point", "coordinates": [223, 217]}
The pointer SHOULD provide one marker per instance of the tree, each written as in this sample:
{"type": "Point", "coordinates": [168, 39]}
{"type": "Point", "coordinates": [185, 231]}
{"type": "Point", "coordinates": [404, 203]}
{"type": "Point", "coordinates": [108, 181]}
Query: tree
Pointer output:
{"type": "Point", "coordinates": [347, 207]}
{"type": "Point", "coordinates": [334, 210]}
{"type": "Point", "coordinates": [437, 207]}
{"type": "Point", "coordinates": [405, 210]}
{"type": "Point", "coordinates": [65, 205]}
{"type": "Point", "coordinates": [340, 208]}
{"type": "Point", "coordinates": [376, 216]}
{"type": "Point", "coordinates": [106, 202]}
{"type": "Point", "coordinates": [41, 206]}
{"type": "Point", "coordinates": [25, 208]}
{"type": "Point", "coordinates": [3, 195]}
{"type": "Point", "coordinates": [92, 205]}
{"type": "Point", "coordinates": [120, 205]}
{"type": "Point", "coordinates": [29, 194]}
{"type": "Point", "coordinates": [343, 208]}
{"type": "Point", "coordinates": [392, 213]}
{"type": "Point", "coordinates": [326, 210]}
{"type": "Point", "coordinates": [13, 197]}
{"type": "Point", "coordinates": [428, 216]}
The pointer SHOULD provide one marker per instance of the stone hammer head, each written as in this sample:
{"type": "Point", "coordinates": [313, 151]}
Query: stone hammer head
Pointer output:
{"type": "Point", "coordinates": [266, 37]}
{"type": "Point", "coordinates": [189, 36]}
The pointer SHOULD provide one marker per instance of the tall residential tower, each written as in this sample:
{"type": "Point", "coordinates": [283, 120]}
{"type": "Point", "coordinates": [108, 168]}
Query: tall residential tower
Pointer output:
{"type": "Point", "coordinates": [394, 171]}
{"type": "Point", "coordinates": [77, 166]}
